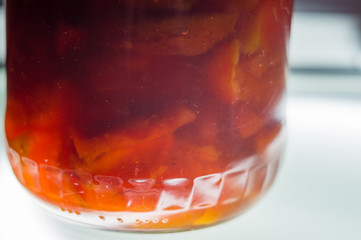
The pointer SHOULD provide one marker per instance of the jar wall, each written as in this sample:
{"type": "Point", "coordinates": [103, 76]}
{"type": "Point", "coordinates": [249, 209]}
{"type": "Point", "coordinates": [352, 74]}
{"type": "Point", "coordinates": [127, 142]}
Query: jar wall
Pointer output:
{"type": "Point", "coordinates": [142, 115]}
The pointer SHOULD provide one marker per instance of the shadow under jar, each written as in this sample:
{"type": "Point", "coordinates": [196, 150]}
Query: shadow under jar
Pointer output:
{"type": "Point", "coordinates": [146, 115]}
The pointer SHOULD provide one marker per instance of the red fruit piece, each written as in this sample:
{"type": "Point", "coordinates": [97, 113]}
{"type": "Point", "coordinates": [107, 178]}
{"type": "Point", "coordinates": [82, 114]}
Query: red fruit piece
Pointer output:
{"type": "Point", "coordinates": [247, 121]}
{"type": "Point", "coordinates": [187, 35]}
{"type": "Point", "coordinates": [179, 5]}
{"type": "Point", "coordinates": [265, 137]}
{"type": "Point", "coordinates": [191, 160]}
{"type": "Point", "coordinates": [140, 80]}
{"type": "Point", "coordinates": [220, 72]}
{"type": "Point", "coordinates": [265, 29]}
{"type": "Point", "coordinates": [202, 131]}
{"type": "Point", "coordinates": [34, 124]}
{"type": "Point", "coordinates": [262, 86]}
{"type": "Point", "coordinates": [143, 138]}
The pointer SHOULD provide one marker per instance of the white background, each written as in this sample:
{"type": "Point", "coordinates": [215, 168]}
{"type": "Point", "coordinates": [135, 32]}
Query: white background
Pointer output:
{"type": "Point", "coordinates": [317, 194]}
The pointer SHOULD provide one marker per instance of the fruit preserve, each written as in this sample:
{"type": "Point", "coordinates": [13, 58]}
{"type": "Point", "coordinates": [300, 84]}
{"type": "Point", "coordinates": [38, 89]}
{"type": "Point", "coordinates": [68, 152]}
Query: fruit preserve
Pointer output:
{"type": "Point", "coordinates": [146, 115]}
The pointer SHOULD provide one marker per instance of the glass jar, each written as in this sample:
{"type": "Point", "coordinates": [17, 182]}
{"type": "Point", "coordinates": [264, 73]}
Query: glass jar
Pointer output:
{"type": "Point", "coordinates": [146, 115]}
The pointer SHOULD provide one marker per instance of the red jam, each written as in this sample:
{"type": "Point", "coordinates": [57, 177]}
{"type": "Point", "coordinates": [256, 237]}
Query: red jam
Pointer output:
{"type": "Point", "coordinates": [148, 114]}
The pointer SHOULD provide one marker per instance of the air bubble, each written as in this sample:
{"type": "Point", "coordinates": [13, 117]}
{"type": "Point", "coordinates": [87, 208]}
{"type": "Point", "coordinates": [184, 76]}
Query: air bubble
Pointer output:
{"type": "Point", "coordinates": [204, 205]}
{"type": "Point", "coordinates": [165, 220]}
{"type": "Point", "coordinates": [185, 32]}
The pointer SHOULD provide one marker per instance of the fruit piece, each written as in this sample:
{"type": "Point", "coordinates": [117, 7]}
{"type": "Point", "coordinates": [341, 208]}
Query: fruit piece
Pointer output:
{"type": "Point", "coordinates": [265, 137]}
{"type": "Point", "coordinates": [142, 152]}
{"type": "Point", "coordinates": [244, 5]}
{"type": "Point", "coordinates": [179, 5]}
{"type": "Point", "coordinates": [37, 143]}
{"type": "Point", "coordinates": [257, 65]}
{"type": "Point", "coordinates": [247, 121]}
{"type": "Point", "coordinates": [44, 146]}
{"type": "Point", "coordinates": [220, 72]}
{"type": "Point", "coordinates": [264, 30]}
{"type": "Point", "coordinates": [207, 153]}
{"type": "Point", "coordinates": [264, 91]}
{"type": "Point", "coordinates": [35, 129]}
{"type": "Point", "coordinates": [184, 35]}
{"type": "Point", "coordinates": [113, 8]}
{"type": "Point", "coordinates": [229, 6]}
{"type": "Point", "coordinates": [250, 33]}
{"type": "Point", "coordinates": [203, 131]}
{"type": "Point", "coordinates": [114, 71]}
{"type": "Point", "coordinates": [15, 125]}
{"type": "Point", "coordinates": [140, 79]}
{"type": "Point", "coordinates": [120, 87]}
{"type": "Point", "coordinates": [261, 73]}
{"type": "Point", "coordinates": [144, 136]}
{"type": "Point", "coordinates": [190, 160]}
{"type": "Point", "coordinates": [34, 123]}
